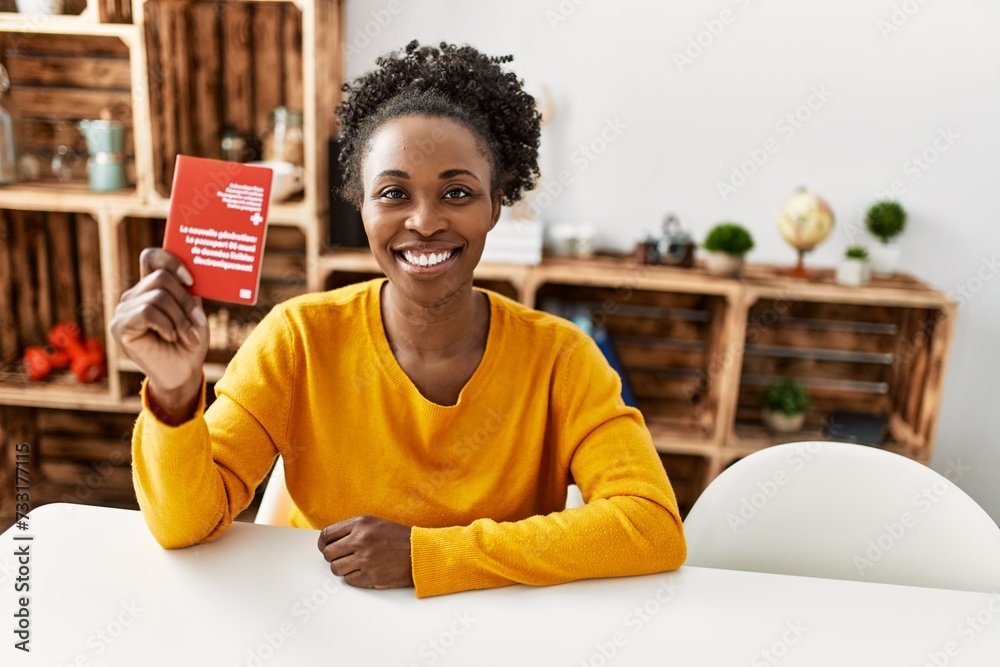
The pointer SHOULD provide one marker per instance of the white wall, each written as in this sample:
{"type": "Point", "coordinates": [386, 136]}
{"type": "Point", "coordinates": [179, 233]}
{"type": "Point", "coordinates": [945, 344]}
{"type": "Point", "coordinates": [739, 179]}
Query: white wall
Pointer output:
{"type": "Point", "coordinates": [892, 93]}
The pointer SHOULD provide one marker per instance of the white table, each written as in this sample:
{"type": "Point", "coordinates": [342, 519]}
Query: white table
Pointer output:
{"type": "Point", "coordinates": [104, 593]}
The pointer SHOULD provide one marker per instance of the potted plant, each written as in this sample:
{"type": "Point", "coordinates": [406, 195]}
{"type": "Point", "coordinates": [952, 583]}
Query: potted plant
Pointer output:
{"type": "Point", "coordinates": [885, 221]}
{"type": "Point", "coordinates": [784, 405]}
{"type": "Point", "coordinates": [853, 268]}
{"type": "Point", "coordinates": [726, 245]}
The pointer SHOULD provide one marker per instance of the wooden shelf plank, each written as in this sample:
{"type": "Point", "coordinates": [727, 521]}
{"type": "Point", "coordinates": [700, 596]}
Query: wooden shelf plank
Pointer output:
{"type": "Point", "coordinates": [749, 438]}
{"type": "Point", "coordinates": [903, 290]}
{"type": "Point", "coordinates": [286, 214]}
{"type": "Point", "coordinates": [67, 399]}
{"type": "Point", "coordinates": [65, 25]}
{"type": "Point", "coordinates": [66, 197]}
{"type": "Point", "coordinates": [360, 260]}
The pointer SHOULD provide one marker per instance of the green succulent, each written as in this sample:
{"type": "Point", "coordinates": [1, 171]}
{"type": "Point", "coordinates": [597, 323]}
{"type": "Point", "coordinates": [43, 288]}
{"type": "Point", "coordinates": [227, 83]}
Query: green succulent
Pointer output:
{"type": "Point", "coordinates": [857, 252]}
{"type": "Point", "coordinates": [886, 220]}
{"type": "Point", "coordinates": [787, 396]}
{"type": "Point", "coordinates": [730, 238]}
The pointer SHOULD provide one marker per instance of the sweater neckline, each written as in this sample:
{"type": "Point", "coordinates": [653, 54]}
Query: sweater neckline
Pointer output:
{"type": "Point", "coordinates": [399, 378]}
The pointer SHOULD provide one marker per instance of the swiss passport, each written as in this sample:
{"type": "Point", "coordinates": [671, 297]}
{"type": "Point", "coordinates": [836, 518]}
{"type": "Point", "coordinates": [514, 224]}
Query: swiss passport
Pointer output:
{"type": "Point", "coordinates": [217, 224]}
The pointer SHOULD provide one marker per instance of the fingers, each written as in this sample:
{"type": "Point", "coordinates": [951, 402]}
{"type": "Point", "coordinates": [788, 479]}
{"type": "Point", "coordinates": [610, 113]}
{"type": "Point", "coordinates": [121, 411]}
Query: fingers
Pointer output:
{"type": "Point", "coordinates": [173, 317]}
{"type": "Point", "coordinates": [360, 579]}
{"type": "Point", "coordinates": [336, 531]}
{"type": "Point", "coordinates": [345, 566]}
{"type": "Point", "coordinates": [161, 303]}
{"type": "Point", "coordinates": [165, 279]}
{"type": "Point", "coordinates": [155, 259]}
{"type": "Point", "coordinates": [153, 312]}
{"type": "Point", "coordinates": [368, 552]}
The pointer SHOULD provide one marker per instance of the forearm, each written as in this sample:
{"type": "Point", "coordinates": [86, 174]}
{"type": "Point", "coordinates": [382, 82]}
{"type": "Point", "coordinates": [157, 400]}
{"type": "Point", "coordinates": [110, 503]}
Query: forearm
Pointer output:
{"type": "Point", "coordinates": [193, 478]}
{"type": "Point", "coordinates": [177, 484]}
{"type": "Point", "coordinates": [619, 536]}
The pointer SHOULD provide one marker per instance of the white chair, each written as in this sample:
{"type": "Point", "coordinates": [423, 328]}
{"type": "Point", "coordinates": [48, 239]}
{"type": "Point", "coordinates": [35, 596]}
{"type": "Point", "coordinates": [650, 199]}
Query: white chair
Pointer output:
{"type": "Point", "coordinates": [842, 511]}
{"type": "Point", "coordinates": [574, 497]}
{"type": "Point", "coordinates": [275, 505]}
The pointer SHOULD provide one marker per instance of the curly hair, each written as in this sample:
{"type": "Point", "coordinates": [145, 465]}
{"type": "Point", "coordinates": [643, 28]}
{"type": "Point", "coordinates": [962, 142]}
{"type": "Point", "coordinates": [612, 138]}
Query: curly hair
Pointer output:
{"type": "Point", "coordinates": [454, 82]}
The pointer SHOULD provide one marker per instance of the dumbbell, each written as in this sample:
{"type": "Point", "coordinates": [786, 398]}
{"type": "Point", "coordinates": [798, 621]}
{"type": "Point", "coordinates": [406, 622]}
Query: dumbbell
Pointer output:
{"type": "Point", "coordinates": [40, 362]}
{"type": "Point", "coordinates": [86, 360]}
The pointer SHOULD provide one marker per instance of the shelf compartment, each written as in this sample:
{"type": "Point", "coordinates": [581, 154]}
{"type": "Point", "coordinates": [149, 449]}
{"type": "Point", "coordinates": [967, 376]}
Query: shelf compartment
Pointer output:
{"type": "Point", "coordinates": [54, 84]}
{"type": "Point", "coordinates": [50, 272]}
{"type": "Point", "coordinates": [113, 11]}
{"type": "Point", "coordinates": [214, 66]}
{"type": "Point", "coordinates": [666, 343]}
{"type": "Point", "coordinates": [856, 357]}
{"type": "Point", "coordinates": [61, 388]}
{"type": "Point", "coordinates": [688, 475]}
{"type": "Point", "coordinates": [283, 276]}
{"type": "Point", "coordinates": [75, 457]}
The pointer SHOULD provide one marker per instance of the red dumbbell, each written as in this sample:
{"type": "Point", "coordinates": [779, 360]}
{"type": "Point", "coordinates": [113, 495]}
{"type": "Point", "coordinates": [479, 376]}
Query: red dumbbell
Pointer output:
{"type": "Point", "coordinates": [86, 359]}
{"type": "Point", "coordinates": [40, 362]}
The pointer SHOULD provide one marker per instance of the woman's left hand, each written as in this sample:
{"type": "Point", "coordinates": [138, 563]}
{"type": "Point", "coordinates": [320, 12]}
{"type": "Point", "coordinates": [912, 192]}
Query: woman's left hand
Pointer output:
{"type": "Point", "coordinates": [368, 552]}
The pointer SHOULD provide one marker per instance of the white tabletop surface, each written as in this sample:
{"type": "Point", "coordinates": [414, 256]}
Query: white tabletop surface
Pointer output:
{"type": "Point", "coordinates": [104, 593]}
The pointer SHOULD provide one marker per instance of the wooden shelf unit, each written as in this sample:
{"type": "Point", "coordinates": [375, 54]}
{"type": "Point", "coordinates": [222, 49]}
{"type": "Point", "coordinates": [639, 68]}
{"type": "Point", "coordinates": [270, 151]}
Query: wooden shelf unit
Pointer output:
{"type": "Point", "coordinates": [697, 348]}
{"type": "Point", "coordinates": [160, 67]}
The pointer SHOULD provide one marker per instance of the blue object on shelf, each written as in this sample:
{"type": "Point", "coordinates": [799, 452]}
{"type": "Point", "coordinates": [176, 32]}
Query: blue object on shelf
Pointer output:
{"type": "Point", "coordinates": [600, 335]}
{"type": "Point", "coordinates": [580, 315]}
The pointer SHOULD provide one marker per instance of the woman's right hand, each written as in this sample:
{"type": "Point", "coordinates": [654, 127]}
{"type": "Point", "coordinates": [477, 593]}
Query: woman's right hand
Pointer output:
{"type": "Point", "coordinates": [163, 329]}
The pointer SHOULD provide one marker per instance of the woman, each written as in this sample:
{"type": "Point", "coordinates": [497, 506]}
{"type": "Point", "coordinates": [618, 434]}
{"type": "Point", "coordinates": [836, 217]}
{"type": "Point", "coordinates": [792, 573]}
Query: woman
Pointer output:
{"type": "Point", "coordinates": [429, 428]}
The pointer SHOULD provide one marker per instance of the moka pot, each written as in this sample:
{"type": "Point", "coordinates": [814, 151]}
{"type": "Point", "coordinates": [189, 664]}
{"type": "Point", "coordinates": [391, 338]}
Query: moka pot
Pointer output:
{"type": "Point", "coordinates": [106, 145]}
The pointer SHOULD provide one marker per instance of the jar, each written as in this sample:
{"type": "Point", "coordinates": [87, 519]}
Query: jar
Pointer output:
{"type": "Point", "coordinates": [284, 140]}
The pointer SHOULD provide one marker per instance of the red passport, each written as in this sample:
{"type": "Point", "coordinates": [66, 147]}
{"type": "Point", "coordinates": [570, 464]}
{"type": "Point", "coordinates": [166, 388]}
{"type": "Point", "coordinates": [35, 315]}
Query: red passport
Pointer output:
{"type": "Point", "coordinates": [216, 226]}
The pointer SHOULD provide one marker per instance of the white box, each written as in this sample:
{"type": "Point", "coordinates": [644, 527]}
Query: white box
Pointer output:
{"type": "Point", "coordinates": [514, 242]}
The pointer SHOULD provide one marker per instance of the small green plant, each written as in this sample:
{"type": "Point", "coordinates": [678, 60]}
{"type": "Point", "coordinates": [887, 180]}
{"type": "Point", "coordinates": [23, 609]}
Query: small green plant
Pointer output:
{"type": "Point", "coordinates": [886, 220]}
{"type": "Point", "coordinates": [730, 238]}
{"type": "Point", "coordinates": [789, 397]}
{"type": "Point", "coordinates": [856, 252]}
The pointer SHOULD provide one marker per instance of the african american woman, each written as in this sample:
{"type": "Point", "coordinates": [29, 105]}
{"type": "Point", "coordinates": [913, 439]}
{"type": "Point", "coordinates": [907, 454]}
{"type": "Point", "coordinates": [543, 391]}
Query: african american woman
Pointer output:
{"type": "Point", "coordinates": [428, 428]}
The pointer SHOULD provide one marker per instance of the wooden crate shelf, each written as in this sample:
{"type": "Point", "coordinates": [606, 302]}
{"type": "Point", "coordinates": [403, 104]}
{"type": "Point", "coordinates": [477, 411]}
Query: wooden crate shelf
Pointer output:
{"type": "Point", "coordinates": [50, 272]}
{"type": "Point", "coordinates": [54, 84]}
{"type": "Point", "coordinates": [69, 253]}
{"type": "Point", "coordinates": [699, 349]}
{"type": "Point", "coordinates": [664, 342]}
{"type": "Point", "coordinates": [195, 93]}
{"type": "Point", "coordinates": [74, 457]}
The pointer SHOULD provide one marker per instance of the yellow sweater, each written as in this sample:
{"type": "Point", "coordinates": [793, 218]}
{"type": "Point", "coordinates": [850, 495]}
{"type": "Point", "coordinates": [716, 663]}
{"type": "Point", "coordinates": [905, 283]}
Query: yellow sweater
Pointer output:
{"type": "Point", "coordinates": [482, 483]}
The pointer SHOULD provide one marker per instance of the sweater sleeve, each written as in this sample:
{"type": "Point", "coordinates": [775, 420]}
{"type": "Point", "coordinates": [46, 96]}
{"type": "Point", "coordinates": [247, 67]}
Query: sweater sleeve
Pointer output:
{"type": "Point", "coordinates": [630, 525]}
{"type": "Point", "coordinates": [191, 480]}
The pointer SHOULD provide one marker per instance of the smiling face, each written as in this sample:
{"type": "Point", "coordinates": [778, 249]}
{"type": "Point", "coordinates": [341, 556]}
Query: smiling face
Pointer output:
{"type": "Point", "coordinates": [428, 204]}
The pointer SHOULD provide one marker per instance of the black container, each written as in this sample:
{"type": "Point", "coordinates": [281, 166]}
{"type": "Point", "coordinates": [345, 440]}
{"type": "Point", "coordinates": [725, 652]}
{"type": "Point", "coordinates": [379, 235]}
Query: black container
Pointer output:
{"type": "Point", "coordinates": [345, 228]}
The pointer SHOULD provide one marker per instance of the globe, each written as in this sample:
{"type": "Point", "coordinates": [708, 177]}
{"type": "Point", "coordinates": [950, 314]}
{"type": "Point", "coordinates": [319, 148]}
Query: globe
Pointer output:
{"type": "Point", "coordinates": [805, 220]}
